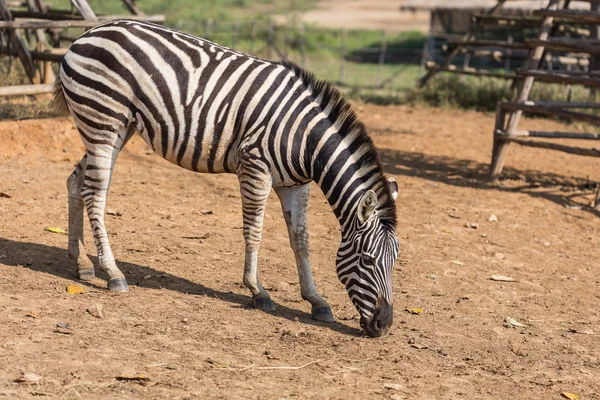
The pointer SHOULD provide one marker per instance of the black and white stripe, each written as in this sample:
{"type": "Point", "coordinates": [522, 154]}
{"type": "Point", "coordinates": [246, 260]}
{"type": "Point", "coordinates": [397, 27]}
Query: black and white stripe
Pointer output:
{"type": "Point", "coordinates": [210, 109]}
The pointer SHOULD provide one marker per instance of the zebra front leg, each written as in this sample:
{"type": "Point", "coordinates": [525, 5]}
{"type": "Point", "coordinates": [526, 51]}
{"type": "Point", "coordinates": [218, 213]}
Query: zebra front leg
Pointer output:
{"type": "Point", "coordinates": [294, 203]}
{"type": "Point", "coordinates": [255, 191]}
{"type": "Point", "coordinates": [94, 191]}
{"type": "Point", "coordinates": [85, 267]}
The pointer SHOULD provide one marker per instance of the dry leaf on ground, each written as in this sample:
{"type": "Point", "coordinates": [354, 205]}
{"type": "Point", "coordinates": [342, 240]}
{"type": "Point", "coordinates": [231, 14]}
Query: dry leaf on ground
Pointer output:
{"type": "Point", "coordinates": [74, 289]}
{"type": "Point", "coordinates": [55, 230]}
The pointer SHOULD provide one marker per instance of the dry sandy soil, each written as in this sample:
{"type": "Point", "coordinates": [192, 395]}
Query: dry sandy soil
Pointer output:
{"type": "Point", "coordinates": [187, 324]}
{"type": "Point", "coordinates": [366, 14]}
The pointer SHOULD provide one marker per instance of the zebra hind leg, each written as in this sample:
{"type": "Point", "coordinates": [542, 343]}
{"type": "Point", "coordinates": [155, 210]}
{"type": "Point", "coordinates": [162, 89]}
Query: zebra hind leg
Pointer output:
{"type": "Point", "coordinates": [96, 183]}
{"type": "Point", "coordinates": [255, 192]}
{"type": "Point", "coordinates": [294, 203]}
{"type": "Point", "coordinates": [85, 267]}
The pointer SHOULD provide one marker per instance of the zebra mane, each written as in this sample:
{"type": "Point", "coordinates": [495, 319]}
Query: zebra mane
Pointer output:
{"type": "Point", "coordinates": [340, 114]}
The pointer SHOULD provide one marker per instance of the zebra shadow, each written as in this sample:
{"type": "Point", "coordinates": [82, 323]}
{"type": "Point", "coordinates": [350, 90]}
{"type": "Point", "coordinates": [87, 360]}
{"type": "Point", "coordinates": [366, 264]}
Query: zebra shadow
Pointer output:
{"type": "Point", "coordinates": [562, 190]}
{"type": "Point", "coordinates": [55, 261]}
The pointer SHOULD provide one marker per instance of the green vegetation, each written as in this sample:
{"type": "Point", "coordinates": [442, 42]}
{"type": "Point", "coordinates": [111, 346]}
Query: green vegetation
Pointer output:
{"type": "Point", "coordinates": [245, 25]}
{"type": "Point", "coordinates": [186, 11]}
{"type": "Point", "coordinates": [482, 94]}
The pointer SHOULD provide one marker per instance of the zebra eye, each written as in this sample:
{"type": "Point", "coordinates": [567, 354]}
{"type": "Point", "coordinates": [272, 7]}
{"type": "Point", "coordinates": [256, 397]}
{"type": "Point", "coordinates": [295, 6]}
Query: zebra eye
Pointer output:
{"type": "Point", "coordinates": [368, 260]}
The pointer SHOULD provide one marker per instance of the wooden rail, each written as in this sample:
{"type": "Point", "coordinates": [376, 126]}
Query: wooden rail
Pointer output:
{"type": "Point", "coordinates": [26, 90]}
{"type": "Point", "coordinates": [563, 78]}
{"type": "Point", "coordinates": [41, 24]}
{"type": "Point", "coordinates": [578, 15]}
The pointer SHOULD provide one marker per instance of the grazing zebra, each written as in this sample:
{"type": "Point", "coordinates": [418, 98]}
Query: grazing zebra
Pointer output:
{"type": "Point", "coordinates": [210, 109]}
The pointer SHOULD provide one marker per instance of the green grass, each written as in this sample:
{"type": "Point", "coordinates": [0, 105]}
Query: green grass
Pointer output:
{"type": "Point", "coordinates": [322, 54]}
{"type": "Point", "coordinates": [482, 94]}
{"type": "Point", "coordinates": [200, 10]}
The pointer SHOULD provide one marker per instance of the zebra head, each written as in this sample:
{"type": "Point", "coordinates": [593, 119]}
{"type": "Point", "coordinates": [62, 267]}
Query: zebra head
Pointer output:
{"type": "Point", "coordinates": [365, 261]}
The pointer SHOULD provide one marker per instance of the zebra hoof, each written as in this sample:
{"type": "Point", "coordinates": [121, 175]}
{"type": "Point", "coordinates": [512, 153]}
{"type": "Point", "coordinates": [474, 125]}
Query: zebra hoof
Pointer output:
{"type": "Point", "coordinates": [118, 285]}
{"type": "Point", "coordinates": [264, 303]}
{"type": "Point", "coordinates": [322, 314]}
{"type": "Point", "coordinates": [86, 274]}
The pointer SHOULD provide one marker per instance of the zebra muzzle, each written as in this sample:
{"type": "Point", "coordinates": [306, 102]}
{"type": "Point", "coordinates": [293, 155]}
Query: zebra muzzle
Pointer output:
{"type": "Point", "coordinates": [383, 318]}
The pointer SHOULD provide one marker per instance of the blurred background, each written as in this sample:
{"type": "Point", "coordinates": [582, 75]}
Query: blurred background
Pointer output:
{"type": "Point", "coordinates": [374, 50]}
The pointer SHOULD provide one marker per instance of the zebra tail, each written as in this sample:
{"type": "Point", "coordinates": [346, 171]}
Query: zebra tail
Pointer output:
{"type": "Point", "coordinates": [60, 102]}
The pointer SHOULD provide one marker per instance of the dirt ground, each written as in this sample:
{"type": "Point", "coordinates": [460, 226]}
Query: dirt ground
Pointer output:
{"type": "Point", "coordinates": [365, 14]}
{"type": "Point", "coordinates": [187, 325]}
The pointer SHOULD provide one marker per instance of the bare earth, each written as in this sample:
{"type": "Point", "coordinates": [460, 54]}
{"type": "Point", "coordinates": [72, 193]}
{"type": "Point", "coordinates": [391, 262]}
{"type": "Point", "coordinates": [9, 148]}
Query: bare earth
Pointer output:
{"type": "Point", "coordinates": [187, 325]}
{"type": "Point", "coordinates": [366, 14]}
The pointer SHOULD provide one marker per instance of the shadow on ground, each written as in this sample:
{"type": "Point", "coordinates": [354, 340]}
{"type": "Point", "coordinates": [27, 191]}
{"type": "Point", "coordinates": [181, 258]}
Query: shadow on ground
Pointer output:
{"type": "Point", "coordinates": [468, 173]}
{"type": "Point", "coordinates": [55, 261]}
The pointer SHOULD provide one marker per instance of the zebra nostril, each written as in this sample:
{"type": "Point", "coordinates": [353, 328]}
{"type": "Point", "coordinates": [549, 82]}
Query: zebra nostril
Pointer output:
{"type": "Point", "coordinates": [377, 325]}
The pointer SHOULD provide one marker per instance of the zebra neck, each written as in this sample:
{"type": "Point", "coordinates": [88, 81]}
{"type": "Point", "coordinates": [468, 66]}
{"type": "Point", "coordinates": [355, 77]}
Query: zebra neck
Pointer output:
{"type": "Point", "coordinates": [337, 167]}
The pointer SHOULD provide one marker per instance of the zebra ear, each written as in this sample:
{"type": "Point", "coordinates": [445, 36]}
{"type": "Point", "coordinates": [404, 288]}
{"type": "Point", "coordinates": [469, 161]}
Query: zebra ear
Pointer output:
{"type": "Point", "coordinates": [366, 206]}
{"type": "Point", "coordinates": [393, 185]}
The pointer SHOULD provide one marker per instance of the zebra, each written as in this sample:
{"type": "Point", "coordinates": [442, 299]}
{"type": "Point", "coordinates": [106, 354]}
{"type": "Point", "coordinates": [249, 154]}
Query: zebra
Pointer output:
{"type": "Point", "coordinates": [211, 109]}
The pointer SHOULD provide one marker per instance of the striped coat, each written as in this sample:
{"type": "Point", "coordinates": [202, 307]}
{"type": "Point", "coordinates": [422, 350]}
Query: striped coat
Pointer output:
{"type": "Point", "coordinates": [210, 109]}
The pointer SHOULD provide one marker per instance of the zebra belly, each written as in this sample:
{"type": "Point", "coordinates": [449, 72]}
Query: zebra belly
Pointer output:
{"type": "Point", "coordinates": [205, 150]}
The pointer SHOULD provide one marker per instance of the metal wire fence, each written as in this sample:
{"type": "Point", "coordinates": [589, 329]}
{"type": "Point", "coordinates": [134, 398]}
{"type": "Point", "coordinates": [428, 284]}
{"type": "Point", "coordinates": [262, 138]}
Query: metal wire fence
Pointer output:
{"type": "Point", "coordinates": [353, 58]}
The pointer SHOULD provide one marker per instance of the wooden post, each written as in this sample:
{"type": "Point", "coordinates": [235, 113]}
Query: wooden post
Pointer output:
{"type": "Point", "coordinates": [302, 33]}
{"type": "Point", "coordinates": [382, 52]}
{"type": "Point", "coordinates": [44, 67]}
{"type": "Point", "coordinates": [19, 46]}
{"type": "Point", "coordinates": [252, 37]}
{"type": "Point", "coordinates": [236, 34]}
{"type": "Point", "coordinates": [344, 34]}
{"type": "Point", "coordinates": [427, 48]}
{"type": "Point", "coordinates": [84, 9]}
{"type": "Point", "coordinates": [500, 149]}
{"type": "Point", "coordinates": [468, 36]}
{"type": "Point", "coordinates": [41, 7]}
{"type": "Point", "coordinates": [132, 7]}
{"type": "Point", "coordinates": [595, 59]}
